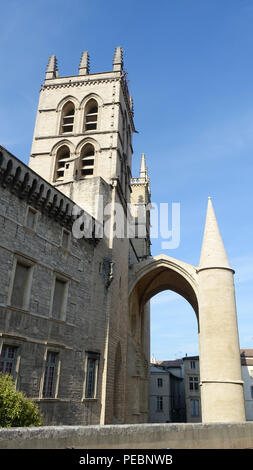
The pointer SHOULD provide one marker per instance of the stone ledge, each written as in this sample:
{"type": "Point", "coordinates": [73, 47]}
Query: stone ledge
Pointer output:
{"type": "Point", "coordinates": [131, 436]}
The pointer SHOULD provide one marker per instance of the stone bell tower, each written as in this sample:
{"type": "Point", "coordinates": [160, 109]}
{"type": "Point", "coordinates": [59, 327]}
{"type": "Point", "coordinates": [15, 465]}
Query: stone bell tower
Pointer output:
{"type": "Point", "coordinates": [82, 145]}
{"type": "Point", "coordinates": [83, 132]}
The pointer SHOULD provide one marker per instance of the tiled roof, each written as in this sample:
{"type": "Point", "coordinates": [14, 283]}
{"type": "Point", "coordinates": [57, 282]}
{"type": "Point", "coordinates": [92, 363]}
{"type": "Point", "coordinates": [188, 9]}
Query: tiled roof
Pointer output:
{"type": "Point", "coordinates": [246, 352]}
{"type": "Point", "coordinates": [196, 358]}
{"type": "Point", "coordinates": [175, 363]}
{"type": "Point", "coordinates": [246, 359]}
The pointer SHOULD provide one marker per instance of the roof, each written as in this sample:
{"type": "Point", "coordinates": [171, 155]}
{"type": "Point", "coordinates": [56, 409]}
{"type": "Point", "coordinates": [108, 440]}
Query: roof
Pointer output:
{"type": "Point", "coordinates": [246, 352]}
{"type": "Point", "coordinates": [196, 358]}
{"type": "Point", "coordinates": [246, 359]}
{"type": "Point", "coordinates": [175, 363]}
{"type": "Point", "coordinates": [160, 369]}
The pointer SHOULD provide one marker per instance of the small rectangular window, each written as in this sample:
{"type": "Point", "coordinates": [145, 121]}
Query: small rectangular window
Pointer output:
{"type": "Point", "coordinates": [159, 382]}
{"type": "Point", "coordinates": [91, 375]}
{"type": "Point", "coordinates": [194, 407]}
{"type": "Point", "coordinates": [21, 286]}
{"type": "Point", "coordinates": [8, 359]}
{"type": "Point", "coordinates": [59, 299]}
{"type": "Point", "coordinates": [193, 383]}
{"type": "Point", "coordinates": [159, 403]}
{"type": "Point", "coordinates": [50, 375]}
{"type": "Point", "coordinates": [193, 365]}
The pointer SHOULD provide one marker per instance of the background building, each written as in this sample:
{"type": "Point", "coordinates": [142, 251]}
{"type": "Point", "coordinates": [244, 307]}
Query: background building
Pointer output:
{"type": "Point", "coordinates": [247, 375]}
{"type": "Point", "coordinates": [192, 389]}
{"type": "Point", "coordinates": [167, 398]}
{"type": "Point", "coordinates": [187, 392]}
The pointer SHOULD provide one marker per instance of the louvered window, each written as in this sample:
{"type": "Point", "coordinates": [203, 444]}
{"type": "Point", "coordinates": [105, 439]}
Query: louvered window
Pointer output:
{"type": "Point", "coordinates": [68, 114]}
{"type": "Point", "coordinates": [91, 115]}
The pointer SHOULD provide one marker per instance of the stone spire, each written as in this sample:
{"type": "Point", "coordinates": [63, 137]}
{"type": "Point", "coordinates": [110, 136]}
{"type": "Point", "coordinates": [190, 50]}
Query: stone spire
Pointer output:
{"type": "Point", "coordinates": [118, 60]}
{"type": "Point", "coordinates": [84, 66]}
{"type": "Point", "coordinates": [143, 168]}
{"type": "Point", "coordinates": [213, 254]}
{"type": "Point", "coordinates": [219, 349]}
{"type": "Point", "coordinates": [52, 68]}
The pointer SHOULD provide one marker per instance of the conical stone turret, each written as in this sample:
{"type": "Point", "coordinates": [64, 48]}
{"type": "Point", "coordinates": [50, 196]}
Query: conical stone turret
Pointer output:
{"type": "Point", "coordinates": [213, 253]}
{"type": "Point", "coordinates": [222, 396]}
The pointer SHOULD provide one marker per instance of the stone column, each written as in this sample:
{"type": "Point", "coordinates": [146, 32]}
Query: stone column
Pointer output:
{"type": "Point", "coordinates": [220, 368]}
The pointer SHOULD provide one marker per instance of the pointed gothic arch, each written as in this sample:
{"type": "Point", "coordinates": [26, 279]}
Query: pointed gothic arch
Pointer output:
{"type": "Point", "coordinates": [164, 272]}
{"type": "Point", "coordinates": [62, 152]}
{"type": "Point", "coordinates": [87, 151]}
{"type": "Point", "coordinates": [65, 100]}
{"type": "Point", "coordinates": [90, 108]}
{"type": "Point", "coordinates": [210, 291]}
{"type": "Point", "coordinates": [67, 118]}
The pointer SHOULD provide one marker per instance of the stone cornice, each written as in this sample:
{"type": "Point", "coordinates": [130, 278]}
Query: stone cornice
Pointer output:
{"type": "Point", "coordinates": [79, 83]}
{"type": "Point", "coordinates": [22, 181]}
{"type": "Point", "coordinates": [205, 268]}
{"type": "Point", "coordinates": [72, 135]}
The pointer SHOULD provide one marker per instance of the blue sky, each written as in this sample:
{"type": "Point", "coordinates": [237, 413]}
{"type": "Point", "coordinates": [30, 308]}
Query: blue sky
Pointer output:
{"type": "Point", "coordinates": [190, 69]}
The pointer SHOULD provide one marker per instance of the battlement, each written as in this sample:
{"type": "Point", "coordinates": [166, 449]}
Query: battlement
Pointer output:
{"type": "Point", "coordinates": [37, 192]}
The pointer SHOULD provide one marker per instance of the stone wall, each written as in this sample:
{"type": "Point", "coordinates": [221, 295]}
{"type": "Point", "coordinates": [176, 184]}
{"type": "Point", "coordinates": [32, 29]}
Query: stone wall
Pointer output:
{"type": "Point", "coordinates": [33, 329]}
{"type": "Point", "coordinates": [140, 436]}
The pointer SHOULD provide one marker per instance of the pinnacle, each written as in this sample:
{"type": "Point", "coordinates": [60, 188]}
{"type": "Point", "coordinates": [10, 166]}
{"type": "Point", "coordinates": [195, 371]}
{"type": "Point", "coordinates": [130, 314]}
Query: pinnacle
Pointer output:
{"type": "Point", "coordinates": [143, 167]}
{"type": "Point", "coordinates": [213, 253]}
{"type": "Point", "coordinates": [118, 59]}
{"type": "Point", "coordinates": [84, 66]}
{"type": "Point", "coordinates": [52, 67]}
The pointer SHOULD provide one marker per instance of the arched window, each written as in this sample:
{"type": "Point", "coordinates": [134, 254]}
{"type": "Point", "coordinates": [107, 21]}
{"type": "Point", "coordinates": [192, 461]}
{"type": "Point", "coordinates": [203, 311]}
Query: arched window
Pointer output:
{"type": "Point", "coordinates": [62, 157]}
{"type": "Point", "coordinates": [87, 160]}
{"type": "Point", "coordinates": [68, 114]}
{"type": "Point", "coordinates": [91, 115]}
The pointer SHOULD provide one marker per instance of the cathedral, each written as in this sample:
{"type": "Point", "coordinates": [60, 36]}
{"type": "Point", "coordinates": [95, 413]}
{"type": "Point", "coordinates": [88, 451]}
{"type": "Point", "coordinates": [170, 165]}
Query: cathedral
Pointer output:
{"type": "Point", "coordinates": [77, 273]}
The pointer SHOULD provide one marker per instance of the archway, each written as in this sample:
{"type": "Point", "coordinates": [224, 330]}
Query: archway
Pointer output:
{"type": "Point", "coordinates": [148, 279]}
{"type": "Point", "coordinates": [210, 292]}
{"type": "Point", "coordinates": [174, 390]}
